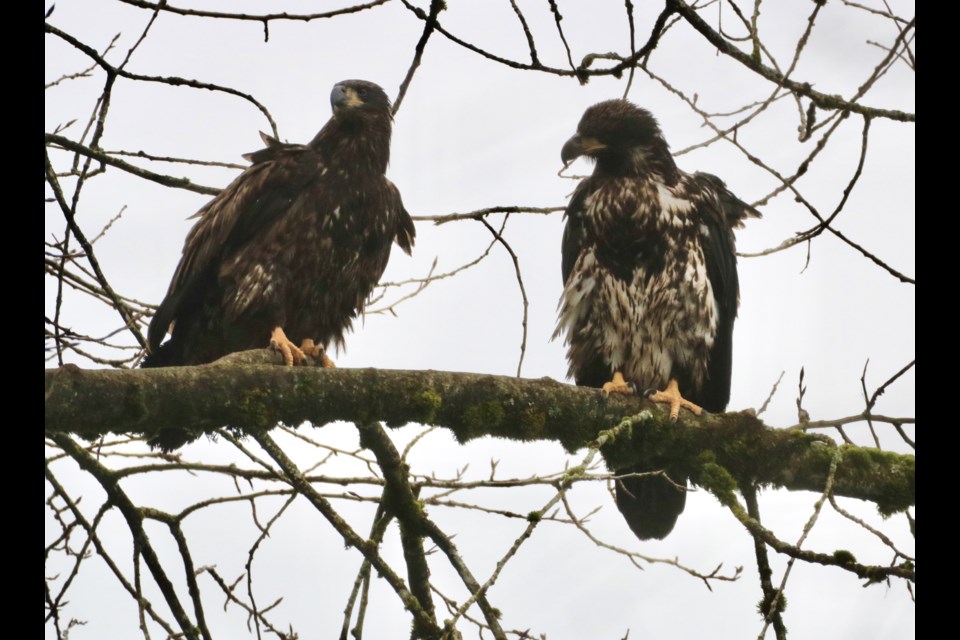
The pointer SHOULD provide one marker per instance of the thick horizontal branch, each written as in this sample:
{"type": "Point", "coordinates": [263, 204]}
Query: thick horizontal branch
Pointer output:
{"type": "Point", "coordinates": [254, 397]}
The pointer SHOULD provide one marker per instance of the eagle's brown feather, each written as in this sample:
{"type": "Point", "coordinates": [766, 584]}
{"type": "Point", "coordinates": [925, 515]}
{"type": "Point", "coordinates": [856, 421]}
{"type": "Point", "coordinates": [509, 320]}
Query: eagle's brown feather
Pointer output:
{"type": "Point", "coordinates": [297, 241]}
{"type": "Point", "coordinates": [650, 282]}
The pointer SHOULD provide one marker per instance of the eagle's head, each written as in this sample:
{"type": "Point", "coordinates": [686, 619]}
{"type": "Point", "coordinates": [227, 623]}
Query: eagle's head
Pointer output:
{"type": "Point", "coordinates": [358, 134]}
{"type": "Point", "coordinates": [614, 132]}
{"type": "Point", "coordinates": [355, 97]}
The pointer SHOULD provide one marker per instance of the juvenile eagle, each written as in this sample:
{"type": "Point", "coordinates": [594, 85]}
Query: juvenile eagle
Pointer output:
{"type": "Point", "coordinates": [650, 285]}
{"type": "Point", "coordinates": [290, 250]}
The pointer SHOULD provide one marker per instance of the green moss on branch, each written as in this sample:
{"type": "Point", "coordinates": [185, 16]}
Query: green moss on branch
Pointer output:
{"type": "Point", "coordinates": [253, 397]}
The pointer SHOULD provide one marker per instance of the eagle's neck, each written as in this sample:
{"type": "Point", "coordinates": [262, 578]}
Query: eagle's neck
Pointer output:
{"type": "Point", "coordinates": [642, 161]}
{"type": "Point", "coordinates": [362, 143]}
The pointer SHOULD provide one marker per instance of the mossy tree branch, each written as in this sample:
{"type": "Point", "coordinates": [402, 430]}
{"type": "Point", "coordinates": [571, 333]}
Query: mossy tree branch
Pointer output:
{"type": "Point", "coordinates": [401, 500]}
{"type": "Point", "coordinates": [252, 398]}
{"type": "Point", "coordinates": [720, 482]}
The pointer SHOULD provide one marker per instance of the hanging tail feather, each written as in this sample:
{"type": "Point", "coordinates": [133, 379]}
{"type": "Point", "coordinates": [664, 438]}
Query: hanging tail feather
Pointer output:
{"type": "Point", "coordinates": [650, 504]}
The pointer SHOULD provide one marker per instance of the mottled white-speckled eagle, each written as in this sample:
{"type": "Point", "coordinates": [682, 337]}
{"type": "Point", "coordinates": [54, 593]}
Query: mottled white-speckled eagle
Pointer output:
{"type": "Point", "coordinates": [292, 248]}
{"type": "Point", "coordinates": [650, 285]}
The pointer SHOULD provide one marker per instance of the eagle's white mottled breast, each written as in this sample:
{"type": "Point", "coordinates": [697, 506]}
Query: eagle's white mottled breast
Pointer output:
{"type": "Point", "coordinates": [647, 323]}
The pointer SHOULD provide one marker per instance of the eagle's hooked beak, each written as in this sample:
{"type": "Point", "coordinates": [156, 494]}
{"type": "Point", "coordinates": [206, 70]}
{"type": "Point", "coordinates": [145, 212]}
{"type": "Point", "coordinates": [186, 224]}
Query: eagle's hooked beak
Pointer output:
{"type": "Point", "coordinates": [342, 97]}
{"type": "Point", "coordinates": [579, 145]}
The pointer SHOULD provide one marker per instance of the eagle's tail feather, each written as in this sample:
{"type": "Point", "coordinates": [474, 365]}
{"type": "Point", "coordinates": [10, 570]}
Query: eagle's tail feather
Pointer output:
{"type": "Point", "coordinates": [650, 504]}
{"type": "Point", "coordinates": [163, 356]}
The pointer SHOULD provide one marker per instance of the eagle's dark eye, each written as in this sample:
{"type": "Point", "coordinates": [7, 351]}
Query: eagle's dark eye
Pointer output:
{"type": "Point", "coordinates": [362, 92]}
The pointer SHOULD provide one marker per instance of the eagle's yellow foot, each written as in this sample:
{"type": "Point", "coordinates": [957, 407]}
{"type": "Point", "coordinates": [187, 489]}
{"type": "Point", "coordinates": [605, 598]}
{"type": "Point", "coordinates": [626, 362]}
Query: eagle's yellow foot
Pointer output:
{"type": "Point", "coordinates": [671, 395]}
{"type": "Point", "coordinates": [618, 385]}
{"type": "Point", "coordinates": [317, 352]}
{"type": "Point", "coordinates": [291, 353]}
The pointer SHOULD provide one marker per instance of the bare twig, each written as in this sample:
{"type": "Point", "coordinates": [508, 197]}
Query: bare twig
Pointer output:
{"type": "Point", "coordinates": [436, 6]}
{"type": "Point", "coordinates": [350, 537]}
{"type": "Point", "coordinates": [769, 606]}
{"type": "Point", "coordinates": [523, 290]}
{"type": "Point", "coordinates": [134, 520]}
{"type": "Point", "coordinates": [557, 18]}
{"type": "Point", "coordinates": [773, 612]}
{"type": "Point", "coordinates": [823, 101]}
{"type": "Point", "coordinates": [68, 212]}
{"type": "Point", "coordinates": [526, 32]}
{"type": "Point", "coordinates": [170, 80]}
{"type": "Point", "coordinates": [102, 156]}
{"type": "Point", "coordinates": [480, 213]}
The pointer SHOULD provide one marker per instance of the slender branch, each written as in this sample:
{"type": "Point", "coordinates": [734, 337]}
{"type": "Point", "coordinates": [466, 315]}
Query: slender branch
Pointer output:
{"type": "Point", "coordinates": [880, 390]}
{"type": "Point", "coordinates": [480, 213]}
{"type": "Point", "coordinates": [860, 417]}
{"type": "Point", "coordinates": [228, 591]}
{"type": "Point", "coordinates": [773, 391]}
{"type": "Point", "coordinates": [307, 17]}
{"type": "Point", "coordinates": [822, 100]}
{"type": "Point", "coordinates": [557, 18]}
{"type": "Point", "coordinates": [581, 72]}
{"type": "Point", "coordinates": [774, 607]}
{"type": "Point", "coordinates": [498, 235]}
{"type": "Point", "coordinates": [633, 47]}
{"type": "Point", "coordinates": [720, 483]}
{"type": "Point", "coordinates": [526, 32]}
{"type": "Point", "coordinates": [172, 160]}
{"type": "Point", "coordinates": [885, 14]}
{"type": "Point", "coordinates": [771, 597]}
{"type": "Point", "coordinates": [350, 537]}
{"type": "Point", "coordinates": [786, 182]}
{"type": "Point", "coordinates": [635, 558]}
{"type": "Point", "coordinates": [248, 567]}
{"type": "Point", "coordinates": [435, 7]}
{"type": "Point", "coordinates": [68, 212]}
{"type": "Point", "coordinates": [190, 574]}
{"type": "Point", "coordinates": [863, 387]}
{"type": "Point", "coordinates": [171, 80]}
{"type": "Point", "coordinates": [105, 158]}
{"type": "Point", "coordinates": [380, 522]}
{"type": "Point", "coordinates": [408, 512]}
{"type": "Point", "coordinates": [401, 500]}
{"type": "Point", "coordinates": [861, 523]}
{"type": "Point", "coordinates": [134, 519]}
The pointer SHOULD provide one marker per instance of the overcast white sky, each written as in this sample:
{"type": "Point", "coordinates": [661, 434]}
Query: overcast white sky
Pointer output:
{"type": "Point", "coordinates": [473, 134]}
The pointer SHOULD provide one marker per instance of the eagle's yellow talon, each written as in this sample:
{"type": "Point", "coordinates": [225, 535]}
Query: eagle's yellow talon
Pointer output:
{"type": "Point", "coordinates": [315, 351]}
{"type": "Point", "coordinates": [671, 395]}
{"type": "Point", "coordinates": [292, 354]}
{"type": "Point", "coordinates": [617, 385]}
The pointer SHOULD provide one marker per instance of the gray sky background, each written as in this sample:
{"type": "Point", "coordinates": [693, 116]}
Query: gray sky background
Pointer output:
{"type": "Point", "coordinates": [473, 134]}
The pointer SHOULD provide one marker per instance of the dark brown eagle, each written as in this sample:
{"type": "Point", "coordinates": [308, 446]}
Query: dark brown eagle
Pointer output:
{"type": "Point", "coordinates": [292, 248]}
{"type": "Point", "coordinates": [650, 285]}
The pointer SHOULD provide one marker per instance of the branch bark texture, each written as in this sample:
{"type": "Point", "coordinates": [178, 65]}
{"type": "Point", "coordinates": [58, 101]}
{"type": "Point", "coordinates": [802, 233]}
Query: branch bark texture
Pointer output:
{"type": "Point", "coordinates": [252, 398]}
